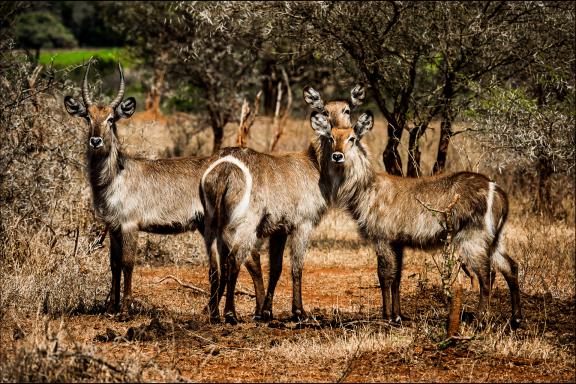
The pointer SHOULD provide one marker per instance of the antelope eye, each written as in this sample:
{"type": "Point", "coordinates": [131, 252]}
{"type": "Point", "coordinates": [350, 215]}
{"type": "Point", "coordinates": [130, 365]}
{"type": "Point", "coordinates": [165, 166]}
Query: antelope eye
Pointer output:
{"type": "Point", "coordinates": [352, 139]}
{"type": "Point", "coordinates": [110, 120]}
{"type": "Point", "coordinates": [346, 111]}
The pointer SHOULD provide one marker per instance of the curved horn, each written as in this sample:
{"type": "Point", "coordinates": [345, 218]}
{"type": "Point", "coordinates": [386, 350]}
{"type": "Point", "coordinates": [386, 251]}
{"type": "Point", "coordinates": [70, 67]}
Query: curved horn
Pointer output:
{"type": "Point", "coordinates": [85, 93]}
{"type": "Point", "coordinates": [118, 98]}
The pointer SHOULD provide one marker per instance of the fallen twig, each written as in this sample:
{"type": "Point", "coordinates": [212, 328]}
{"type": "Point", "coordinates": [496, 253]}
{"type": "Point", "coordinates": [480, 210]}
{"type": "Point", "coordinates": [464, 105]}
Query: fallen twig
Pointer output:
{"type": "Point", "coordinates": [371, 286]}
{"type": "Point", "coordinates": [185, 285]}
{"type": "Point", "coordinates": [200, 290]}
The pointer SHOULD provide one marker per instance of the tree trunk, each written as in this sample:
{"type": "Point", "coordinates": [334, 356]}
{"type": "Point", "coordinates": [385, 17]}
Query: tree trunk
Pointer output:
{"type": "Point", "coordinates": [445, 136]}
{"type": "Point", "coordinates": [390, 156]}
{"type": "Point", "coordinates": [218, 137]}
{"type": "Point", "coordinates": [270, 82]}
{"type": "Point", "coordinates": [543, 203]}
{"type": "Point", "coordinates": [446, 124]}
{"type": "Point", "coordinates": [414, 153]}
{"type": "Point", "coordinates": [218, 131]}
{"type": "Point", "coordinates": [217, 121]}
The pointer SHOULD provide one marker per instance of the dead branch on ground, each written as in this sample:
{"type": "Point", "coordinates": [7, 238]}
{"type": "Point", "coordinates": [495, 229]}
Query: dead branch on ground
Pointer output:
{"type": "Point", "coordinates": [200, 290]}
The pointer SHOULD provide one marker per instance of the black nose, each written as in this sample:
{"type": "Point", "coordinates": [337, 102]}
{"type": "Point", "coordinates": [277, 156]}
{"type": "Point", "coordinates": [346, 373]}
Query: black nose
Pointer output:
{"type": "Point", "coordinates": [338, 157]}
{"type": "Point", "coordinates": [95, 142]}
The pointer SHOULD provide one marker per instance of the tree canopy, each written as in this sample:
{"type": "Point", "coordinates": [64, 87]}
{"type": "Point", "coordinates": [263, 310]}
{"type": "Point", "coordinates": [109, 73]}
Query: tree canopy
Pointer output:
{"type": "Point", "coordinates": [36, 30]}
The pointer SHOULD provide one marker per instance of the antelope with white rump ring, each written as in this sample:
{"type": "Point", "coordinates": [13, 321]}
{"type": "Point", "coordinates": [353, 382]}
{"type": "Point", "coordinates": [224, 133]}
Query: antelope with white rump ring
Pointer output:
{"type": "Point", "coordinates": [249, 196]}
{"type": "Point", "coordinates": [390, 212]}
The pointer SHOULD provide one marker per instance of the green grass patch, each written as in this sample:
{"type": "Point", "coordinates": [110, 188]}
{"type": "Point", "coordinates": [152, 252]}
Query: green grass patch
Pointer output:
{"type": "Point", "coordinates": [68, 57]}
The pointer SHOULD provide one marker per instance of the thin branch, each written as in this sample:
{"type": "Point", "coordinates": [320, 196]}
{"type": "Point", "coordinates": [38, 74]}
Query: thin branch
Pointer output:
{"type": "Point", "coordinates": [31, 94]}
{"type": "Point", "coordinates": [185, 285]}
{"type": "Point", "coordinates": [200, 290]}
{"type": "Point", "coordinates": [279, 122]}
{"type": "Point", "coordinates": [247, 118]}
{"type": "Point", "coordinates": [244, 112]}
{"type": "Point", "coordinates": [467, 130]}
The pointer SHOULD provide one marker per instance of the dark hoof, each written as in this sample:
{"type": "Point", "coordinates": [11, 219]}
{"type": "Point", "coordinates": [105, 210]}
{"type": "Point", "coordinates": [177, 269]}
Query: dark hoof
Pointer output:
{"type": "Point", "coordinates": [112, 310]}
{"type": "Point", "coordinates": [468, 317]}
{"type": "Point", "coordinates": [298, 316]}
{"type": "Point", "coordinates": [481, 321]}
{"type": "Point", "coordinates": [399, 319]}
{"type": "Point", "coordinates": [215, 319]}
{"type": "Point", "coordinates": [230, 318]}
{"type": "Point", "coordinates": [516, 323]}
{"type": "Point", "coordinates": [267, 315]}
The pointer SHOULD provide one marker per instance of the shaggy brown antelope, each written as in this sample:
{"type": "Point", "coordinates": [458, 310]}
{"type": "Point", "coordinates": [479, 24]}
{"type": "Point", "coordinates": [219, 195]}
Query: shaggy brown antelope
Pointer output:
{"type": "Point", "coordinates": [249, 196]}
{"type": "Point", "coordinates": [393, 213]}
{"type": "Point", "coordinates": [130, 195]}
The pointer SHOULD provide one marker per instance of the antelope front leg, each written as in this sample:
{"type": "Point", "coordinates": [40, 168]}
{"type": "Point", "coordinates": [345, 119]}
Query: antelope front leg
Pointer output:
{"type": "Point", "coordinates": [116, 268]}
{"type": "Point", "coordinates": [386, 275]}
{"type": "Point", "coordinates": [396, 313]}
{"type": "Point", "coordinates": [298, 244]}
{"type": "Point", "coordinates": [128, 258]}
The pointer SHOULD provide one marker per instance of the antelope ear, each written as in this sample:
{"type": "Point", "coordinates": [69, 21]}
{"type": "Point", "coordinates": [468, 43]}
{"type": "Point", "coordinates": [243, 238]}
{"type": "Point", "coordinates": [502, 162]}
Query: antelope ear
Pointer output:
{"type": "Point", "coordinates": [126, 108]}
{"type": "Point", "coordinates": [320, 124]}
{"type": "Point", "coordinates": [357, 95]}
{"type": "Point", "coordinates": [74, 107]}
{"type": "Point", "coordinates": [313, 99]}
{"type": "Point", "coordinates": [364, 124]}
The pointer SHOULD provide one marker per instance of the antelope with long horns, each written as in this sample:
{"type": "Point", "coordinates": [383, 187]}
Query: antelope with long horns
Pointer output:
{"type": "Point", "coordinates": [249, 196]}
{"type": "Point", "coordinates": [131, 194]}
{"type": "Point", "coordinates": [393, 213]}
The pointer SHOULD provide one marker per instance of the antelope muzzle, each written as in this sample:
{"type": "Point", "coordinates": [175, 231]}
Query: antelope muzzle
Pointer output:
{"type": "Point", "coordinates": [338, 157]}
{"type": "Point", "coordinates": [96, 142]}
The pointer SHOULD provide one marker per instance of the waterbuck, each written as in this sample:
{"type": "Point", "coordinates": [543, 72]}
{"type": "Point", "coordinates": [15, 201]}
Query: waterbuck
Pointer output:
{"type": "Point", "coordinates": [249, 196]}
{"type": "Point", "coordinates": [394, 212]}
{"type": "Point", "coordinates": [130, 194]}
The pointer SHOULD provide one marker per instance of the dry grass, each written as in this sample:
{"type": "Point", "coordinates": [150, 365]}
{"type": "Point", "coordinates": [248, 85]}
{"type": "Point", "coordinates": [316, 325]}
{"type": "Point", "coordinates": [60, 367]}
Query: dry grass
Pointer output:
{"type": "Point", "coordinates": [325, 348]}
{"type": "Point", "coordinates": [53, 289]}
